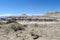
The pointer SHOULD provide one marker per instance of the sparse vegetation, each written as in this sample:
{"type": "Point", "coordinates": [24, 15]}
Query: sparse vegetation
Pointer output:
{"type": "Point", "coordinates": [36, 25]}
{"type": "Point", "coordinates": [11, 21]}
{"type": "Point", "coordinates": [34, 35]}
{"type": "Point", "coordinates": [31, 30]}
{"type": "Point", "coordinates": [1, 23]}
{"type": "Point", "coordinates": [17, 27]}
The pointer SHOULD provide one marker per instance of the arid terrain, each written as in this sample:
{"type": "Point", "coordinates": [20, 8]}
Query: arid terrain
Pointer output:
{"type": "Point", "coordinates": [46, 27]}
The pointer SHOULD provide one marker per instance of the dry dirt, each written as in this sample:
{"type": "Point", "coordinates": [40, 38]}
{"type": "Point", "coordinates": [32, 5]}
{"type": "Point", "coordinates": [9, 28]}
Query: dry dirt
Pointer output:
{"type": "Point", "coordinates": [31, 32]}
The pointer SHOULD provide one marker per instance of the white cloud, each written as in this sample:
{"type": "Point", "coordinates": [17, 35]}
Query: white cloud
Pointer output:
{"type": "Point", "coordinates": [37, 14]}
{"type": "Point", "coordinates": [5, 14]}
{"type": "Point", "coordinates": [9, 14]}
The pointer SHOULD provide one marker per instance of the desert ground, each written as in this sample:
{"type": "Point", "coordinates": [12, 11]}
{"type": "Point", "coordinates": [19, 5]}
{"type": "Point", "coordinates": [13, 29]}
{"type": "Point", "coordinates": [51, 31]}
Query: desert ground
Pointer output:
{"type": "Point", "coordinates": [30, 30]}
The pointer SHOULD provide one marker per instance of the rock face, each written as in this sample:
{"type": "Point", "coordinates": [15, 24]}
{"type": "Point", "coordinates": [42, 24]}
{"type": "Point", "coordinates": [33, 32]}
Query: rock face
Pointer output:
{"type": "Point", "coordinates": [31, 32]}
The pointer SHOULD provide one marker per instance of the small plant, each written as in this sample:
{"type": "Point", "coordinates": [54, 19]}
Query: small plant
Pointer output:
{"type": "Point", "coordinates": [36, 25]}
{"type": "Point", "coordinates": [11, 21]}
{"type": "Point", "coordinates": [34, 35]}
{"type": "Point", "coordinates": [1, 23]}
{"type": "Point", "coordinates": [25, 25]}
{"type": "Point", "coordinates": [7, 31]}
{"type": "Point", "coordinates": [17, 27]}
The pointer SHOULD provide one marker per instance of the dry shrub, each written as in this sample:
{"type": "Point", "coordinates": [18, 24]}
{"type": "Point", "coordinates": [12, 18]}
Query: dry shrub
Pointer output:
{"type": "Point", "coordinates": [1, 23]}
{"type": "Point", "coordinates": [17, 27]}
{"type": "Point", "coordinates": [34, 35]}
{"type": "Point", "coordinates": [11, 21]}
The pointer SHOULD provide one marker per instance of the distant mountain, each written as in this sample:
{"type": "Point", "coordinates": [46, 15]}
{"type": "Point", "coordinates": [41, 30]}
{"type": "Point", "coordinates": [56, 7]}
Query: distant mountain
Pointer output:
{"type": "Point", "coordinates": [53, 14]}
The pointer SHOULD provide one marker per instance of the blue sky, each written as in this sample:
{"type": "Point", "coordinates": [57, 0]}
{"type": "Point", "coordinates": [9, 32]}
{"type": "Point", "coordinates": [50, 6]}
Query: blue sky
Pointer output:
{"type": "Point", "coordinates": [30, 7]}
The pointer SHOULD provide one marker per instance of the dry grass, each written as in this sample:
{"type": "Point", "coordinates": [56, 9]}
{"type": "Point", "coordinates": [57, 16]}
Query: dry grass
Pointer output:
{"type": "Point", "coordinates": [17, 27]}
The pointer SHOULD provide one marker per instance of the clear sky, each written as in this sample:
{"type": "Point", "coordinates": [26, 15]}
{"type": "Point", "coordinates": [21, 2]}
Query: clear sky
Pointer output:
{"type": "Point", "coordinates": [17, 7]}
